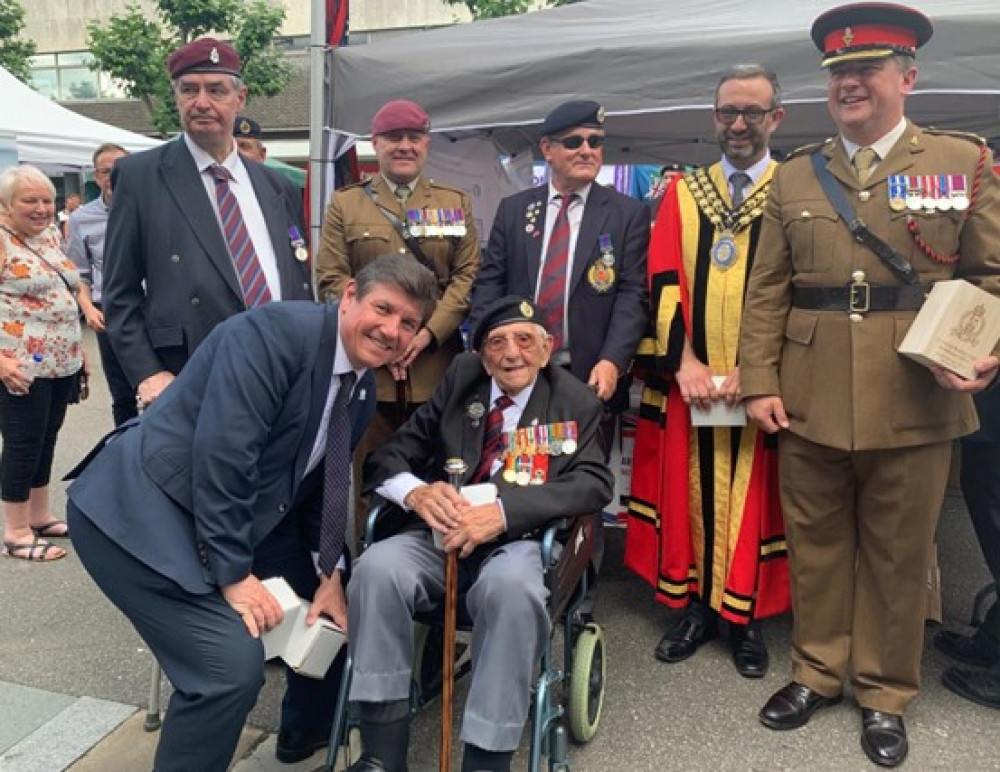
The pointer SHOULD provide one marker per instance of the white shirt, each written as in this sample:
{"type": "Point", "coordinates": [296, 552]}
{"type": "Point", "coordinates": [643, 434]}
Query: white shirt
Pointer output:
{"type": "Point", "coordinates": [882, 146]}
{"type": "Point", "coordinates": [575, 216]}
{"type": "Point", "coordinates": [755, 172]}
{"type": "Point", "coordinates": [253, 216]}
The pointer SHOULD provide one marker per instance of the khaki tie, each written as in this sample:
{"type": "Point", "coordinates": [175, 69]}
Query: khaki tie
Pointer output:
{"type": "Point", "coordinates": [402, 193]}
{"type": "Point", "coordinates": [863, 162]}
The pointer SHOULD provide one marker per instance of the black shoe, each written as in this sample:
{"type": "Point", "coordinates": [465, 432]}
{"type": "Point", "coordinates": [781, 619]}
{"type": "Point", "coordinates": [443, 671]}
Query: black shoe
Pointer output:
{"type": "Point", "coordinates": [967, 649]}
{"type": "Point", "coordinates": [883, 737]}
{"type": "Point", "coordinates": [980, 686]}
{"type": "Point", "coordinates": [792, 706]}
{"type": "Point", "coordinates": [367, 764]}
{"type": "Point", "coordinates": [694, 628]}
{"type": "Point", "coordinates": [749, 650]}
{"type": "Point", "coordinates": [295, 745]}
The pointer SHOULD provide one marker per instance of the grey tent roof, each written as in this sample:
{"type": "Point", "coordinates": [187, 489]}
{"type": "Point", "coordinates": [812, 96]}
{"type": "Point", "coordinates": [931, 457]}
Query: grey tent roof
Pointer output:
{"type": "Point", "coordinates": [653, 64]}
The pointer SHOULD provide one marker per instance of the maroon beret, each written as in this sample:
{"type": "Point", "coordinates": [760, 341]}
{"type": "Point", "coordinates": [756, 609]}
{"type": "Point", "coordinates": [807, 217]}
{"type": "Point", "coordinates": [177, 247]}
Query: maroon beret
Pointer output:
{"type": "Point", "coordinates": [204, 55]}
{"type": "Point", "coordinates": [400, 115]}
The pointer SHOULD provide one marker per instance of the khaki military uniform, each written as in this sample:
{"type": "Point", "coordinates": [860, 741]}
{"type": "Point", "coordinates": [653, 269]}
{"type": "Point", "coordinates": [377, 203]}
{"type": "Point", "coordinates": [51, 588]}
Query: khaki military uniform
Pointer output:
{"type": "Point", "coordinates": [355, 233]}
{"type": "Point", "coordinates": [864, 464]}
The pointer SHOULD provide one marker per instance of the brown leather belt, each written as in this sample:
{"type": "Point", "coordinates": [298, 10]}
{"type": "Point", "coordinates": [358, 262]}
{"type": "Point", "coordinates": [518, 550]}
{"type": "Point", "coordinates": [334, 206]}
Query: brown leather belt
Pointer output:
{"type": "Point", "coordinates": [861, 297]}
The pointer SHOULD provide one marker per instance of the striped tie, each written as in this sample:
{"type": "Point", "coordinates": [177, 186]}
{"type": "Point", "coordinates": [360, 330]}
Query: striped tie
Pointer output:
{"type": "Point", "coordinates": [491, 438]}
{"type": "Point", "coordinates": [552, 287]}
{"type": "Point", "coordinates": [252, 280]}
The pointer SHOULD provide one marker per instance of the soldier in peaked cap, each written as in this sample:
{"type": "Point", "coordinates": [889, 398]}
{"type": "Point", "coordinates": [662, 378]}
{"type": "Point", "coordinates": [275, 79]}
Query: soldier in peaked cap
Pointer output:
{"type": "Point", "coordinates": [579, 249]}
{"type": "Point", "coordinates": [196, 235]}
{"type": "Point", "coordinates": [866, 434]}
{"type": "Point", "coordinates": [248, 139]}
{"type": "Point", "coordinates": [400, 210]}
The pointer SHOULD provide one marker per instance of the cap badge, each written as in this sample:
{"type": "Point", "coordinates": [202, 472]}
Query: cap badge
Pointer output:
{"type": "Point", "coordinates": [848, 36]}
{"type": "Point", "coordinates": [213, 56]}
{"type": "Point", "coordinates": [526, 310]}
{"type": "Point", "coordinates": [600, 115]}
{"type": "Point", "coordinates": [244, 127]}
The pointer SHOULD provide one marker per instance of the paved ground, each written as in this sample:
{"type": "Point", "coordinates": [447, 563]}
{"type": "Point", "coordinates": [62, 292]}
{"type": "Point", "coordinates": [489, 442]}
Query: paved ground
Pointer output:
{"type": "Point", "coordinates": [73, 675]}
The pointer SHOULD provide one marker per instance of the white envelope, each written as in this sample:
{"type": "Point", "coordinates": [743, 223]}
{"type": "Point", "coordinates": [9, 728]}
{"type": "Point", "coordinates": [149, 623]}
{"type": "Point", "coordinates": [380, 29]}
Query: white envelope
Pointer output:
{"type": "Point", "coordinates": [720, 414]}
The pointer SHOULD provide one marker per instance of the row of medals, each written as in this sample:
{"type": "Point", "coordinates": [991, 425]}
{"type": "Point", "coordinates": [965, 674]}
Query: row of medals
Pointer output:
{"type": "Point", "coordinates": [435, 222]}
{"type": "Point", "coordinates": [727, 222]}
{"type": "Point", "coordinates": [928, 193]}
{"type": "Point", "coordinates": [525, 451]}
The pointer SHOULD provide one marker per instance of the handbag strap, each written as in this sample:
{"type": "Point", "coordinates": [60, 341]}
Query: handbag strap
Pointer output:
{"type": "Point", "coordinates": [894, 261]}
{"type": "Point", "coordinates": [41, 257]}
{"type": "Point", "coordinates": [411, 243]}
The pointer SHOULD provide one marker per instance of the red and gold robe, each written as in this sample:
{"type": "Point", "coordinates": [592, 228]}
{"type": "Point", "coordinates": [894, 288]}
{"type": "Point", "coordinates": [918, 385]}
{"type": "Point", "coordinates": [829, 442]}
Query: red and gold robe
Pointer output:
{"type": "Point", "coordinates": [704, 516]}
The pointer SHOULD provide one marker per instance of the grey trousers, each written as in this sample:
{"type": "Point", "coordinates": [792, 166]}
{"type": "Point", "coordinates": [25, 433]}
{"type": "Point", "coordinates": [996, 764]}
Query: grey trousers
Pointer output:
{"type": "Point", "coordinates": [506, 598]}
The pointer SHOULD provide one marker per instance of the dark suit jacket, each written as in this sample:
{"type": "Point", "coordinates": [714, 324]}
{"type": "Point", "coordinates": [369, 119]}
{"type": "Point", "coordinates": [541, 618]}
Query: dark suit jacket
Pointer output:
{"type": "Point", "coordinates": [602, 324]}
{"type": "Point", "coordinates": [162, 230]}
{"type": "Point", "coordinates": [440, 429]}
{"type": "Point", "coordinates": [218, 460]}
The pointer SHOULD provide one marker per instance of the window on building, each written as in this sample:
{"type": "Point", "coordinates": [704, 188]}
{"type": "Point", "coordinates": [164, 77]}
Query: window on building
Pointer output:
{"type": "Point", "coordinates": [67, 77]}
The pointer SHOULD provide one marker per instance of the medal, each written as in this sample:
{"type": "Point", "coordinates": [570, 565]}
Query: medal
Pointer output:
{"type": "Point", "coordinates": [927, 186]}
{"type": "Point", "coordinates": [724, 251]}
{"type": "Point", "coordinates": [897, 192]}
{"type": "Point", "coordinates": [523, 475]}
{"type": "Point", "coordinates": [539, 470]}
{"type": "Point", "coordinates": [606, 250]}
{"type": "Point", "coordinates": [944, 193]}
{"type": "Point", "coordinates": [298, 244]}
{"type": "Point", "coordinates": [509, 475]}
{"type": "Point", "coordinates": [959, 197]}
{"type": "Point", "coordinates": [600, 276]}
{"type": "Point", "coordinates": [913, 197]}
{"type": "Point", "coordinates": [569, 444]}
{"type": "Point", "coordinates": [475, 412]}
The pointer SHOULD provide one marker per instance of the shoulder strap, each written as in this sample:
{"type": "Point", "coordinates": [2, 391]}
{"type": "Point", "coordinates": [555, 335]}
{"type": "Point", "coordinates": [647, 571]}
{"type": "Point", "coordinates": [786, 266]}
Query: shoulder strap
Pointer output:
{"type": "Point", "coordinates": [411, 243]}
{"type": "Point", "coordinates": [894, 261]}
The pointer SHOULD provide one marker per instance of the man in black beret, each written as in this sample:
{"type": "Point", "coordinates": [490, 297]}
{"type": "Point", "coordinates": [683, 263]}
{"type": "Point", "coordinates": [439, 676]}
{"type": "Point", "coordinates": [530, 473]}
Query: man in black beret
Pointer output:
{"type": "Point", "coordinates": [579, 249]}
{"type": "Point", "coordinates": [509, 390]}
{"type": "Point", "coordinates": [248, 139]}
{"type": "Point", "coordinates": [195, 236]}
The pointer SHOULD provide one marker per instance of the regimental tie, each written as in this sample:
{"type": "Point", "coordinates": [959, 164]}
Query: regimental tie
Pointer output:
{"type": "Point", "coordinates": [552, 287]}
{"type": "Point", "coordinates": [252, 280]}
{"type": "Point", "coordinates": [491, 438]}
{"type": "Point", "coordinates": [402, 193]}
{"type": "Point", "coordinates": [740, 182]}
{"type": "Point", "coordinates": [864, 159]}
{"type": "Point", "coordinates": [336, 478]}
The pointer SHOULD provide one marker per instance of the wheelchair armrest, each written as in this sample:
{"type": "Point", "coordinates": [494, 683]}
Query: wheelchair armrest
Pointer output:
{"type": "Point", "coordinates": [384, 519]}
{"type": "Point", "coordinates": [563, 574]}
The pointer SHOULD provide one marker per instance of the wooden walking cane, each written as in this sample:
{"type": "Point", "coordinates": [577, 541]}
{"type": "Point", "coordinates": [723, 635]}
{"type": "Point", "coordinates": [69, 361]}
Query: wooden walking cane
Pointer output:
{"type": "Point", "coordinates": [455, 467]}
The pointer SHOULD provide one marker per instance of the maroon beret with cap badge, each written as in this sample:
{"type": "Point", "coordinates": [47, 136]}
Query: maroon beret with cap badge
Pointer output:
{"type": "Point", "coordinates": [204, 55]}
{"type": "Point", "coordinates": [400, 115]}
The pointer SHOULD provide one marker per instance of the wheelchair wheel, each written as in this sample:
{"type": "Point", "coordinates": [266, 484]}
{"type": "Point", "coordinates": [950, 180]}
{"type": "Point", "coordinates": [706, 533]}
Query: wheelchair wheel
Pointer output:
{"type": "Point", "coordinates": [586, 686]}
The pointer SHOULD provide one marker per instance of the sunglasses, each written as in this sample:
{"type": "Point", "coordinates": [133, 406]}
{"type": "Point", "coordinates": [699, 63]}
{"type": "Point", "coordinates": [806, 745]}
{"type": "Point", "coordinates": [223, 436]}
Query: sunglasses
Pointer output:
{"type": "Point", "coordinates": [575, 141]}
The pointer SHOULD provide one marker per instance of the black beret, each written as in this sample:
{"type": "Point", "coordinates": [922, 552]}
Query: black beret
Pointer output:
{"type": "Point", "coordinates": [506, 310]}
{"type": "Point", "coordinates": [869, 31]}
{"type": "Point", "coordinates": [204, 55]}
{"type": "Point", "coordinates": [571, 114]}
{"type": "Point", "coordinates": [246, 127]}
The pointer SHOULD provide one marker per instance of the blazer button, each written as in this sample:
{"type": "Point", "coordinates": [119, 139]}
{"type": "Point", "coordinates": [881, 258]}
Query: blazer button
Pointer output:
{"type": "Point", "coordinates": [196, 301]}
{"type": "Point", "coordinates": [282, 508]}
{"type": "Point", "coordinates": [175, 258]}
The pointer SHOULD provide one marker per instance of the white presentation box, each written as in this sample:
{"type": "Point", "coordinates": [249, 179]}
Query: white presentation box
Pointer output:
{"type": "Point", "coordinates": [720, 414]}
{"type": "Point", "coordinates": [308, 650]}
{"type": "Point", "coordinates": [958, 324]}
{"type": "Point", "coordinates": [480, 493]}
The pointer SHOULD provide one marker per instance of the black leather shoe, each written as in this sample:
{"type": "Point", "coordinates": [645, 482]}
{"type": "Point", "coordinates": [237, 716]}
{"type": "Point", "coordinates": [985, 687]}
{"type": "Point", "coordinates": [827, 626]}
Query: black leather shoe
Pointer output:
{"type": "Point", "coordinates": [967, 649]}
{"type": "Point", "coordinates": [792, 706]}
{"type": "Point", "coordinates": [980, 686]}
{"type": "Point", "coordinates": [883, 737]}
{"type": "Point", "coordinates": [295, 745]}
{"type": "Point", "coordinates": [694, 628]}
{"type": "Point", "coordinates": [367, 764]}
{"type": "Point", "coordinates": [749, 650]}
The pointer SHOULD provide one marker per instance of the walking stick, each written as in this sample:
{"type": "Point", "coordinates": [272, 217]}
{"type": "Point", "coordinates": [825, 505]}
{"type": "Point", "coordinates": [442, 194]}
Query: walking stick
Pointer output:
{"type": "Point", "coordinates": [455, 467]}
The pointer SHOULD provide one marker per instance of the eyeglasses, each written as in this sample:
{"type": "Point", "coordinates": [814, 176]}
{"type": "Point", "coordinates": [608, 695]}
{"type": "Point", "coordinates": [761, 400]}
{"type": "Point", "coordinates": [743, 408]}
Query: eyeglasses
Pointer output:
{"type": "Point", "coordinates": [575, 141]}
{"type": "Point", "coordinates": [103, 171]}
{"type": "Point", "coordinates": [525, 341]}
{"type": "Point", "coordinates": [752, 116]}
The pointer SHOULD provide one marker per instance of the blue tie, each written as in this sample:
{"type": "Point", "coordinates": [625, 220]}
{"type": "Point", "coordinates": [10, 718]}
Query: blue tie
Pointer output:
{"type": "Point", "coordinates": [336, 478]}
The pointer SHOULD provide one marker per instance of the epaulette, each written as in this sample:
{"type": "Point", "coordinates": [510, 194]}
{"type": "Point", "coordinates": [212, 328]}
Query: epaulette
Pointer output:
{"type": "Point", "coordinates": [358, 184]}
{"type": "Point", "coordinates": [968, 136]}
{"type": "Point", "coordinates": [809, 149]}
{"type": "Point", "coordinates": [442, 186]}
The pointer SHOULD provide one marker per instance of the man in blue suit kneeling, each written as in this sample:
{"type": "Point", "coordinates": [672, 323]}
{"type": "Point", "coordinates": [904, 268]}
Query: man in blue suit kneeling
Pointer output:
{"type": "Point", "coordinates": [179, 515]}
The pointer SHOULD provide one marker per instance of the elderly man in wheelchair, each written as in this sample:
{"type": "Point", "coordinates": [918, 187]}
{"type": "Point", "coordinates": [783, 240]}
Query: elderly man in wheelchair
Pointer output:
{"type": "Point", "coordinates": [527, 427]}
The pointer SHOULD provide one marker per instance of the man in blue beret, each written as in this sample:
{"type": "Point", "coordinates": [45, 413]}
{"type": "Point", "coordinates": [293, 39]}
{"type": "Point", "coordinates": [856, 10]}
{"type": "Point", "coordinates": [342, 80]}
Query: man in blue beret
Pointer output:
{"type": "Point", "coordinates": [249, 139]}
{"type": "Point", "coordinates": [195, 236]}
{"type": "Point", "coordinates": [579, 249]}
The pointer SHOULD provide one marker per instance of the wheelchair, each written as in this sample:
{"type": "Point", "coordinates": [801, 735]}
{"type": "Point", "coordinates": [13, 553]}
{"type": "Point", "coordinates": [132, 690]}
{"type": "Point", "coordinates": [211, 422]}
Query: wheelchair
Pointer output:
{"type": "Point", "coordinates": [566, 702]}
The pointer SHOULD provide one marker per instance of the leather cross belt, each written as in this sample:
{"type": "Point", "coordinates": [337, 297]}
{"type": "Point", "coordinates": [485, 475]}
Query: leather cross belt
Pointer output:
{"type": "Point", "coordinates": [861, 297]}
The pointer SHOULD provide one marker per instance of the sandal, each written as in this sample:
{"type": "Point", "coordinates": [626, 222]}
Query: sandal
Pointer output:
{"type": "Point", "coordinates": [36, 552]}
{"type": "Point", "coordinates": [54, 529]}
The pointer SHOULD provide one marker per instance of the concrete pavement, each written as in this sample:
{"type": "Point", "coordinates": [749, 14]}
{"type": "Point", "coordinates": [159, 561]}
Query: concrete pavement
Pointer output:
{"type": "Point", "coordinates": [73, 675]}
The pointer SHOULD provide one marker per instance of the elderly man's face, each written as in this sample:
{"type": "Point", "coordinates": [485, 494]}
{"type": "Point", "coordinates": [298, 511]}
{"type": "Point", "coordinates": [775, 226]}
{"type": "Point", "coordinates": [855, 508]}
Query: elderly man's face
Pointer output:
{"type": "Point", "coordinates": [208, 105]}
{"type": "Point", "coordinates": [514, 353]}
{"type": "Point", "coordinates": [401, 154]}
{"type": "Point", "coordinates": [378, 327]}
